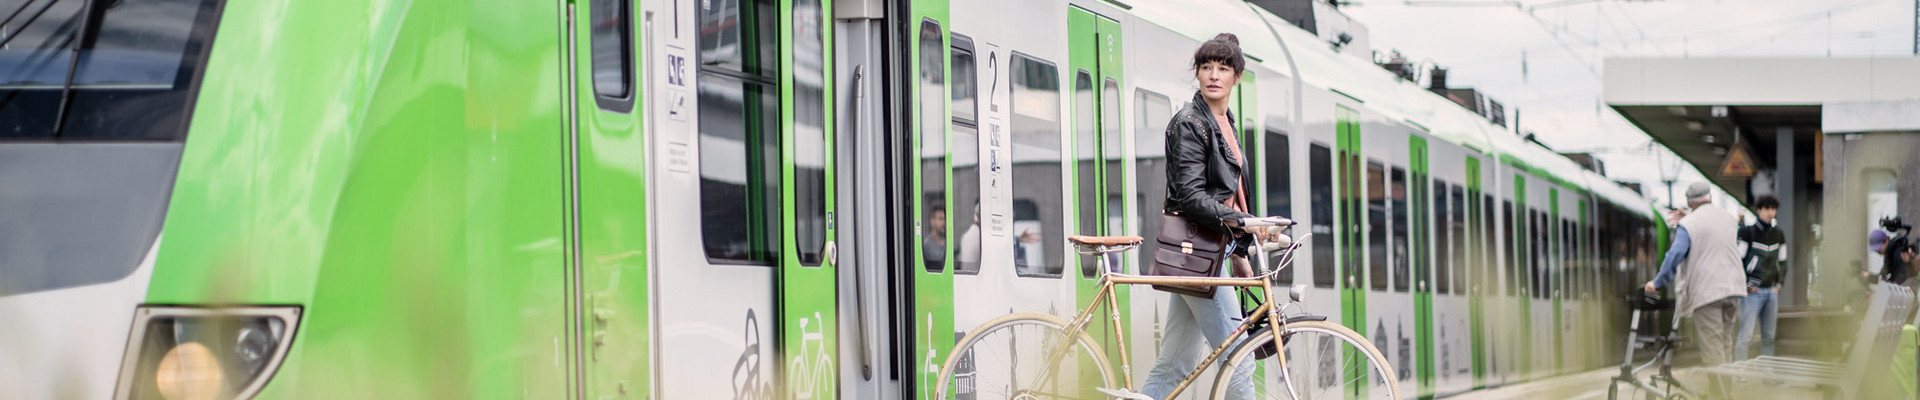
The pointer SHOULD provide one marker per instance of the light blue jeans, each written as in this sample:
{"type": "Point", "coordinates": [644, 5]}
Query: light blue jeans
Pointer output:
{"type": "Point", "coordinates": [1762, 305]}
{"type": "Point", "coordinates": [1190, 319]}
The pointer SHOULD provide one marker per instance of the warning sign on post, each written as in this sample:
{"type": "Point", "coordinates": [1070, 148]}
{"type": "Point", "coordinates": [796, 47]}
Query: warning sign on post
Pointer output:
{"type": "Point", "coordinates": [1737, 164]}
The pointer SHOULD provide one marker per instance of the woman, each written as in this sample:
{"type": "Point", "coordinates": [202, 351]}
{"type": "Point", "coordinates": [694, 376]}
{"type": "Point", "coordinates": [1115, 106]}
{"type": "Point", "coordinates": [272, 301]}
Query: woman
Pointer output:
{"type": "Point", "coordinates": [1204, 184]}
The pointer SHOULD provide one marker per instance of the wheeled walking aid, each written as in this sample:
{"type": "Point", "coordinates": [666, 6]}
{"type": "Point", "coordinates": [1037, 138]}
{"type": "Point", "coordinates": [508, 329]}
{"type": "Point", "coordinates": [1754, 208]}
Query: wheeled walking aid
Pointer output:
{"type": "Point", "coordinates": [1662, 385]}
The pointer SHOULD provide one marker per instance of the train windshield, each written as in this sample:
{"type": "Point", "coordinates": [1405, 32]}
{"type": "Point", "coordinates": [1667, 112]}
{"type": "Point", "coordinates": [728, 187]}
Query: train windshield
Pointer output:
{"type": "Point", "coordinates": [109, 70]}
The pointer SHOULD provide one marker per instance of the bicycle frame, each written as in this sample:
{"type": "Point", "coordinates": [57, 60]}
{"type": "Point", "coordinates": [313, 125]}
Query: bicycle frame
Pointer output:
{"type": "Point", "coordinates": [1108, 281]}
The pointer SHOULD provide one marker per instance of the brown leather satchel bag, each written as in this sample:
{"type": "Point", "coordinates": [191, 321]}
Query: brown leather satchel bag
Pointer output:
{"type": "Point", "coordinates": [1186, 249]}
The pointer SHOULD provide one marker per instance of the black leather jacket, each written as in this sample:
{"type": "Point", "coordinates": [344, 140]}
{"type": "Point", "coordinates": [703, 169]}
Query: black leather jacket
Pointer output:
{"type": "Point", "coordinates": [1201, 170]}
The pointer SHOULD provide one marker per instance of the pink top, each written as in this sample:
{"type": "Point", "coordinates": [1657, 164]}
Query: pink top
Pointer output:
{"type": "Point", "coordinates": [1237, 202]}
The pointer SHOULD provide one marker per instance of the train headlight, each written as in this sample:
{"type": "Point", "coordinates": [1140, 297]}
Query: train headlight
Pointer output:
{"type": "Point", "coordinates": [187, 353]}
{"type": "Point", "coordinates": [189, 371]}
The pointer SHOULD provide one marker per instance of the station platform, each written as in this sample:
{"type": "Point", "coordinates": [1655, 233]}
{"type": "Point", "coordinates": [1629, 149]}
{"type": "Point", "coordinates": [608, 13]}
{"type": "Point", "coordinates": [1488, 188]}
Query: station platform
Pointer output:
{"type": "Point", "coordinates": [1592, 385]}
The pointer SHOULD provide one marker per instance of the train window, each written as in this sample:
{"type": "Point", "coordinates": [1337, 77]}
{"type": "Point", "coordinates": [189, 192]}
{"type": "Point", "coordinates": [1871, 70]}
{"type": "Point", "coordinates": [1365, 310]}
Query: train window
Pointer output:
{"type": "Point", "coordinates": [1537, 230]}
{"type": "Point", "coordinates": [1457, 197]}
{"type": "Point", "coordinates": [739, 125]}
{"type": "Point", "coordinates": [1511, 257]}
{"type": "Point", "coordinates": [965, 208]}
{"type": "Point", "coordinates": [740, 170]}
{"type": "Point", "coordinates": [1550, 268]}
{"type": "Point", "coordinates": [1149, 142]}
{"type": "Point", "coordinates": [1110, 136]}
{"type": "Point", "coordinates": [739, 36]}
{"type": "Point", "coordinates": [966, 109]}
{"type": "Point", "coordinates": [810, 137]}
{"type": "Point", "coordinates": [1552, 261]}
{"type": "Point", "coordinates": [1377, 246]}
{"type": "Point", "coordinates": [612, 43]}
{"type": "Point", "coordinates": [1475, 259]}
{"type": "Point", "coordinates": [1524, 233]}
{"type": "Point", "coordinates": [1442, 230]}
{"type": "Point", "coordinates": [1573, 269]}
{"type": "Point", "coordinates": [1399, 251]}
{"type": "Point", "coordinates": [138, 65]}
{"type": "Point", "coordinates": [965, 139]}
{"type": "Point", "coordinates": [1530, 256]}
{"type": "Point", "coordinates": [1086, 151]}
{"type": "Point", "coordinates": [1037, 171]}
{"type": "Point", "coordinates": [1279, 192]}
{"type": "Point", "coordinates": [1489, 248]}
{"type": "Point", "coordinates": [1569, 271]}
{"type": "Point", "coordinates": [1547, 272]}
{"type": "Point", "coordinates": [932, 107]}
{"type": "Point", "coordinates": [1320, 189]}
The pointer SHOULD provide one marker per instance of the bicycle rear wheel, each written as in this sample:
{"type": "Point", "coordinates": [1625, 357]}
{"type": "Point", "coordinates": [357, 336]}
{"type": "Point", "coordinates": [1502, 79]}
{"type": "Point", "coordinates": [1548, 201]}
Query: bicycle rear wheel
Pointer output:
{"type": "Point", "coordinates": [1008, 358]}
{"type": "Point", "coordinates": [1324, 361]}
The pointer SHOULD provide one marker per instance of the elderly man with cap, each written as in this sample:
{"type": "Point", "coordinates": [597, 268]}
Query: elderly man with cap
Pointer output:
{"type": "Point", "coordinates": [1713, 282]}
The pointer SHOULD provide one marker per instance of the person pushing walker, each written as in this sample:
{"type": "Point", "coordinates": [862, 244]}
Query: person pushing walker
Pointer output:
{"type": "Point", "coordinates": [1713, 284]}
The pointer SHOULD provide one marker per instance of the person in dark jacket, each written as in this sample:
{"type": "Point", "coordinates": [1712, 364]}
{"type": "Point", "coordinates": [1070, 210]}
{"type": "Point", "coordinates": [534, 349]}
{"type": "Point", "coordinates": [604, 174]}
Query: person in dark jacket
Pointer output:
{"type": "Point", "coordinates": [1765, 249]}
{"type": "Point", "coordinates": [1204, 183]}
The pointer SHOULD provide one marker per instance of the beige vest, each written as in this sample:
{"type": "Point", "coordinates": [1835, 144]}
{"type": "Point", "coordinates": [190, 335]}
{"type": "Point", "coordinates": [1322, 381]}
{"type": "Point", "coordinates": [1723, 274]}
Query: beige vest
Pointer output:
{"type": "Point", "coordinates": [1712, 269]}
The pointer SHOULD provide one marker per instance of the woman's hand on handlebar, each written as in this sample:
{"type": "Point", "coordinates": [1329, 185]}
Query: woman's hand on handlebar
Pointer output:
{"type": "Point", "coordinates": [1268, 228]}
{"type": "Point", "coordinates": [1257, 222]}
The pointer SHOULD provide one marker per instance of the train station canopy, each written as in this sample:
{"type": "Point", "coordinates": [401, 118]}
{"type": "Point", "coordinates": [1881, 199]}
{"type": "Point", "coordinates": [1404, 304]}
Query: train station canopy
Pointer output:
{"type": "Point", "coordinates": [1708, 110]}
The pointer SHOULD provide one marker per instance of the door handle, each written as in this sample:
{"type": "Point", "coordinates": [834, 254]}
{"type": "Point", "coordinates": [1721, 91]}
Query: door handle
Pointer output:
{"type": "Point", "coordinates": [859, 285]}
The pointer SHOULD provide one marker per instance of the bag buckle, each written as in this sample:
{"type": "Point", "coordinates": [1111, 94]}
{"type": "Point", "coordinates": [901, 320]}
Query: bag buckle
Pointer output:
{"type": "Point", "coordinates": [1186, 247]}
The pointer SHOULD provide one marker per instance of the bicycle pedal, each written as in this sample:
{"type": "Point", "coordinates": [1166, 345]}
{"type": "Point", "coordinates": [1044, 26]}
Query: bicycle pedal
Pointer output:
{"type": "Point", "coordinates": [1123, 394]}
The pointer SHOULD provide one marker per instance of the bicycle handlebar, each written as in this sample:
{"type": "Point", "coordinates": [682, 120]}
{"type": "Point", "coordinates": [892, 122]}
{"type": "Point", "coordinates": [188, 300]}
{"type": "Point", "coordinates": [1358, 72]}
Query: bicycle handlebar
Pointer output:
{"type": "Point", "coordinates": [1265, 221]}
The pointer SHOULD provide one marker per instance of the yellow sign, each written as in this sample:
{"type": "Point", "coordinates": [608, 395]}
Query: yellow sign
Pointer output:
{"type": "Point", "coordinates": [1737, 164]}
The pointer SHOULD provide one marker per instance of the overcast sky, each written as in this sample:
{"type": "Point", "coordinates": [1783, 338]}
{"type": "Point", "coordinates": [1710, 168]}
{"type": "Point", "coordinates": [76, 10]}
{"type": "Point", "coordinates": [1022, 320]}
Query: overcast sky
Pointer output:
{"type": "Point", "coordinates": [1543, 57]}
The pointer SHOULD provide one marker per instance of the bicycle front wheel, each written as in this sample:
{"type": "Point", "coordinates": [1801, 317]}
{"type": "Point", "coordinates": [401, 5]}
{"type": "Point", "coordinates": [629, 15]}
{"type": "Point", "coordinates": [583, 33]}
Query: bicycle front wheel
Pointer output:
{"type": "Point", "coordinates": [1324, 361]}
{"type": "Point", "coordinates": [1025, 356]}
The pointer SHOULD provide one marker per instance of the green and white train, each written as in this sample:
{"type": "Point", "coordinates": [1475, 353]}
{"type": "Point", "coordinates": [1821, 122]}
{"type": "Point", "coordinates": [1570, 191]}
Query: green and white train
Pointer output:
{"type": "Point", "coordinates": [707, 199]}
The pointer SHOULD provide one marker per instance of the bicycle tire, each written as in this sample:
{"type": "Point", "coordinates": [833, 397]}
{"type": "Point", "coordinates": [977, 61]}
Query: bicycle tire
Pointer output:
{"type": "Point", "coordinates": [1244, 356]}
{"type": "Point", "coordinates": [985, 333]}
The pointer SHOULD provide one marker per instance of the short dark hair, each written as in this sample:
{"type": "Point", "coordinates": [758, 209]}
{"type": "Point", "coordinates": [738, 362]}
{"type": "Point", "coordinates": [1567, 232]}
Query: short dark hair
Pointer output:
{"type": "Point", "coordinates": [1766, 201]}
{"type": "Point", "coordinates": [1224, 49]}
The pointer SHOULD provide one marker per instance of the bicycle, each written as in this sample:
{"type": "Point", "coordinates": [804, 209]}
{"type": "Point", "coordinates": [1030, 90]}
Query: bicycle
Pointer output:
{"type": "Point", "coordinates": [1337, 351]}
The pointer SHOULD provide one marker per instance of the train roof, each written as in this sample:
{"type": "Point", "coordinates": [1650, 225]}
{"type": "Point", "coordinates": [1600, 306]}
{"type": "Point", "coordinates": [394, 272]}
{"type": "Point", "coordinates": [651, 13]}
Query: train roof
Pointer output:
{"type": "Point", "coordinates": [1381, 91]}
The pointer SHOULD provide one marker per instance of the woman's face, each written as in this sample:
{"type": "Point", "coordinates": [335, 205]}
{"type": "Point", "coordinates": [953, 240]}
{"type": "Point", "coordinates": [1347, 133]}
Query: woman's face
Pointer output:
{"type": "Point", "coordinates": [1216, 80]}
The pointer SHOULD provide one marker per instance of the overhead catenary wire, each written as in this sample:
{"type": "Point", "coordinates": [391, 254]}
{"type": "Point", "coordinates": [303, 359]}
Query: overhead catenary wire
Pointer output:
{"type": "Point", "coordinates": [1643, 38]}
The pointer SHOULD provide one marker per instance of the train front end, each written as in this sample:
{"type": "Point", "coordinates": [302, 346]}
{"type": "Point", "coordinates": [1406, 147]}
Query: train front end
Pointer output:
{"type": "Point", "coordinates": [211, 199]}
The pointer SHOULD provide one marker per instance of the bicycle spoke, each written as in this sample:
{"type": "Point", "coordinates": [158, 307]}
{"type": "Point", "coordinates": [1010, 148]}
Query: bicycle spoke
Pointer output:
{"type": "Point", "coordinates": [1323, 363]}
{"type": "Point", "coordinates": [1026, 357]}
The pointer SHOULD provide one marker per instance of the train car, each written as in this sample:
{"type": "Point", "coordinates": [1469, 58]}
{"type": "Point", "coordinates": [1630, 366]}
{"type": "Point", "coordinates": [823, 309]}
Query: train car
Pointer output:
{"type": "Point", "coordinates": [724, 199]}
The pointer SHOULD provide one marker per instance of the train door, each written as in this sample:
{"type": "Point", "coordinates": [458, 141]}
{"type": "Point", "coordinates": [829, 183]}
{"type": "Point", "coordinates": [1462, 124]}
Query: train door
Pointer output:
{"type": "Point", "coordinates": [739, 138]}
{"type": "Point", "coordinates": [1521, 270]}
{"type": "Point", "coordinates": [751, 79]}
{"type": "Point", "coordinates": [1576, 292]}
{"type": "Point", "coordinates": [1452, 241]}
{"type": "Point", "coordinates": [1540, 238]}
{"type": "Point", "coordinates": [1503, 276]}
{"type": "Point", "coordinates": [1387, 251]}
{"type": "Point", "coordinates": [1094, 64]}
{"type": "Point", "coordinates": [1479, 270]}
{"type": "Point", "coordinates": [929, 321]}
{"type": "Point", "coordinates": [1556, 286]}
{"type": "Point", "coordinates": [1246, 108]}
{"type": "Point", "coordinates": [808, 327]}
{"type": "Point", "coordinates": [1351, 243]}
{"type": "Point", "coordinates": [613, 291]}
{"type": "Point", "coordinates": [1419, 214]}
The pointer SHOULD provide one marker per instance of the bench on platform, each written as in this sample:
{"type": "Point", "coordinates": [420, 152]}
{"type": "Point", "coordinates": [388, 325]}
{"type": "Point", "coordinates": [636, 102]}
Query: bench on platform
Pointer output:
{"type": "Point", "coordinates": [1873, 348]}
